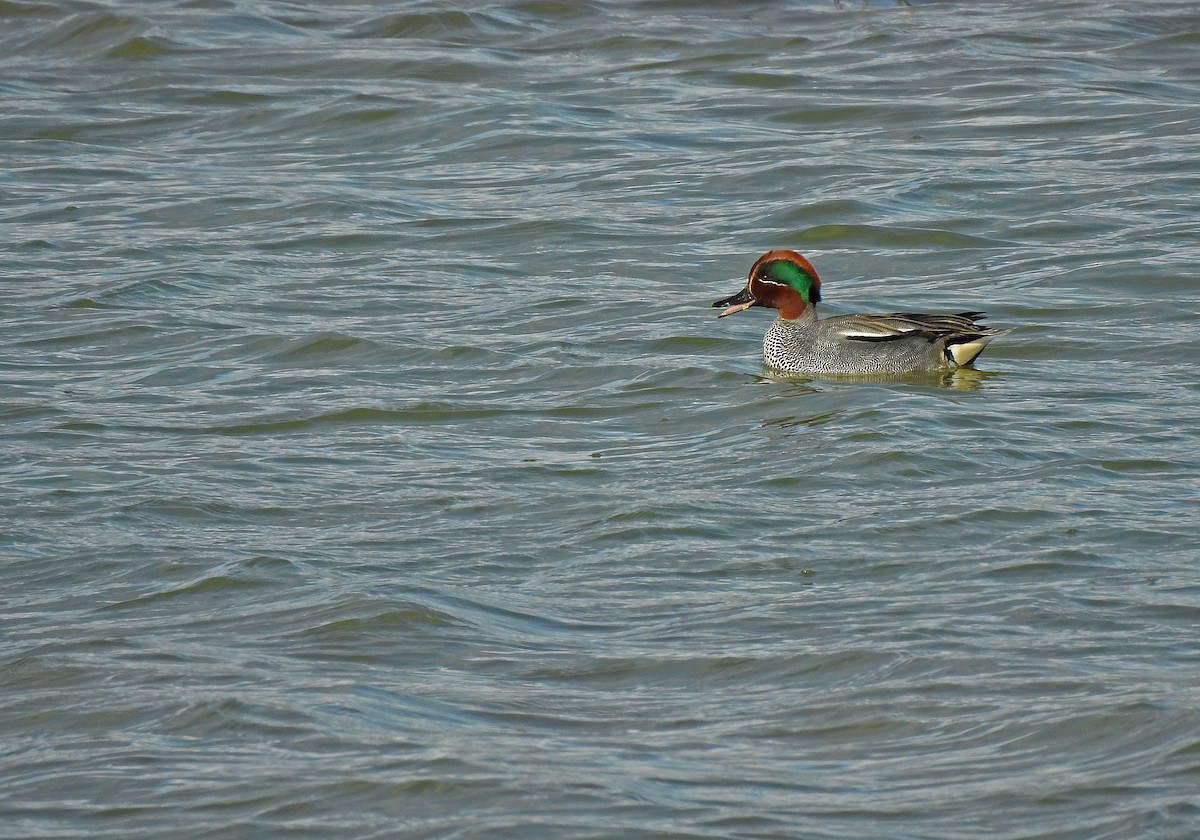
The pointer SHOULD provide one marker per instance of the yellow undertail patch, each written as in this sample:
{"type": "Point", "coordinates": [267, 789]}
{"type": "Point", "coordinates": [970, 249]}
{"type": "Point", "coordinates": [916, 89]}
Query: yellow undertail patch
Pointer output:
{"type": "Point", "coordinates": [965, 353]}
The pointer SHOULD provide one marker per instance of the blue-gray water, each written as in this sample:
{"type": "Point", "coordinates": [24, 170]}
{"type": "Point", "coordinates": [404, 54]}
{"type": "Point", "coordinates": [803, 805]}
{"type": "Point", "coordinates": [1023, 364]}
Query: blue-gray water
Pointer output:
{"type": "Point", "coordinates": [373, 465]}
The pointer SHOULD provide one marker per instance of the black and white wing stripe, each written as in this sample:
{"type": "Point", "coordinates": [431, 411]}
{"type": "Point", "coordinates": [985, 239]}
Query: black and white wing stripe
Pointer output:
{"type": "Point", "coordinates": [908, 324]}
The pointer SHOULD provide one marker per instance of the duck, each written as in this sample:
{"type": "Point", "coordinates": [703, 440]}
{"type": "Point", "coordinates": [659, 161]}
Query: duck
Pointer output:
{"type": "Point", "coordinates": [850, 345]}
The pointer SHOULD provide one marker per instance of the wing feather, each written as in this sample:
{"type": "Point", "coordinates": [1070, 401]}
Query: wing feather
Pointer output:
{"type": "Point", "coordinates": [898, 325]}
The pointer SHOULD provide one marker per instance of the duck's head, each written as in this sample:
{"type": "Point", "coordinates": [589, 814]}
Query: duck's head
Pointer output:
{"type": "Point", "coordinates": [782, 280]}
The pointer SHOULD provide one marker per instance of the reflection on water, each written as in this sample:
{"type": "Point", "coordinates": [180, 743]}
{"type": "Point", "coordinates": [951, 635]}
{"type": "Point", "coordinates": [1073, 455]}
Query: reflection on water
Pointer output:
{"type": "Point", "coordinates": [962, 379]}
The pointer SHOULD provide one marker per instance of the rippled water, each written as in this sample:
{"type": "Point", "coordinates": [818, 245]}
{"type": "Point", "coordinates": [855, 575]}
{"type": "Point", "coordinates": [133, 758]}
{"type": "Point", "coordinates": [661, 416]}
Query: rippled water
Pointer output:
{"type": "Point", "coordinates": [374, 466]}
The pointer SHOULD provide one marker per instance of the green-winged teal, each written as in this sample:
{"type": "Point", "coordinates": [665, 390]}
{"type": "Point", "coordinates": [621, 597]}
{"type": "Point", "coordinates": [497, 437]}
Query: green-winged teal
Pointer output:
{"type": "Point", "coordinates": [848, 345]}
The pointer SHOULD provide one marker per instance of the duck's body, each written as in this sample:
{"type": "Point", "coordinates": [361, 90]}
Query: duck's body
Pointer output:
{"type": "Point", "coordinates": [875, 344]}
{"type": "Point", "coordinates": [850, 345]}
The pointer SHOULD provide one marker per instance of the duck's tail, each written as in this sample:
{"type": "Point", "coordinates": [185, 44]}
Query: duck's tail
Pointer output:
{"type": "Point", "coordinates": [964, 348]}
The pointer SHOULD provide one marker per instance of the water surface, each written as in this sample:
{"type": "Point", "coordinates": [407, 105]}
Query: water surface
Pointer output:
{"type": "Point", "coordinates": [374, 466]}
